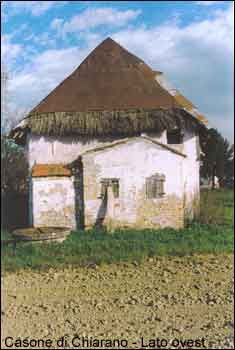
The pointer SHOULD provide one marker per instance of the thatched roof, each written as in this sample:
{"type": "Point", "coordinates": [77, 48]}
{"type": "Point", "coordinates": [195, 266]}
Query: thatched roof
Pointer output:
{"type": "Point", "coordinates": [180, 99]}
{"type": "Point", "coordinates": [111, 92]}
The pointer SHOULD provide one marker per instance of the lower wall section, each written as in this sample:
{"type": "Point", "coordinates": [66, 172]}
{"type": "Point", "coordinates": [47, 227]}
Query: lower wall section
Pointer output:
{"type": "Point", "coordinates": [151, 213]}
{"type": "Point", "coordinates": [53, 201]}
{"type": "Point", "coordinates": [162, 212]}
{"type": "Point", "coordinates": [53, 204]}
{"type": "Point", "coordinates": [132, 208]}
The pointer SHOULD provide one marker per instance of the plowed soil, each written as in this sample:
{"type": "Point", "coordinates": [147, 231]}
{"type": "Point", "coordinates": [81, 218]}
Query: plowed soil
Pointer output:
{"type": "Point", "coordinates": [162, 298]}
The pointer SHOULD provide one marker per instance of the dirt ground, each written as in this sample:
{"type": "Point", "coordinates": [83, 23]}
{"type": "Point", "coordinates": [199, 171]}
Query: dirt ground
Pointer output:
{"type": "Point", "coordinates": [166, 298]}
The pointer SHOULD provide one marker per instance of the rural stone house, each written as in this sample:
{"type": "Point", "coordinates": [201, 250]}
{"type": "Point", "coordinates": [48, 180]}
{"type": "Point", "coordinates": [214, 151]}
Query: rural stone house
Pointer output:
{"type": "Point", "coordinates": [113, 144]}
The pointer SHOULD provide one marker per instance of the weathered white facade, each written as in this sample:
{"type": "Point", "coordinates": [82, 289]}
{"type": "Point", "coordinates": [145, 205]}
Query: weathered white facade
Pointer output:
{"type": "Point", "coordinates": [56, 150]}
{"type": "Point", "coordinates": [191, 174]}
{"type": "Point", "coordinates": [131, 161]}
{"type": "Point", "coordinates": [52, 202]}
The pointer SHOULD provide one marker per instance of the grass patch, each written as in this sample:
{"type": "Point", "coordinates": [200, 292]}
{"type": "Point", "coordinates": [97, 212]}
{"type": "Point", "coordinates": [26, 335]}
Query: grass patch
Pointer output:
{"type": "Point", "coordinates": [99, 247]}
{"type": "Point", "coordinates": [217, 207]}
{"type": "Point", "coordinates": [82, 248]}
{"type": "Point", "coordinates": [5, 235]}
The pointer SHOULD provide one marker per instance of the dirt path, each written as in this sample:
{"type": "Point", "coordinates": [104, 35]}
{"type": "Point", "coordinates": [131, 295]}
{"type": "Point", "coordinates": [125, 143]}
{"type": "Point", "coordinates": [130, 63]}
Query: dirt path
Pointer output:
{"type": "Point", "coordinates": [165, 298]}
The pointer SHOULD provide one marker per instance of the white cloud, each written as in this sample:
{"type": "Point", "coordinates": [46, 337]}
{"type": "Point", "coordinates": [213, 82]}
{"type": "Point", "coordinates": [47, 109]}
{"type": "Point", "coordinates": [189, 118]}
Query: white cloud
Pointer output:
{"type": "Point", "coordinates": [9, 51]}
{"type": "Point", "coordinates": [56, 23]}
{"type": "Point", "coordinates": [20, 31]}
{"type": "Point", "coordinates": [207, 3]}
{"type": "Point", "coordinates": [197, 59]}
{"type": "Point", "coordinates": [36, 8]}
{"type": "Point", "coordinates": [12, 52]}
{"type": "Point", "coordinates": [44, 73]}
{"type": "Point", "coordinates": [44, 39]}
{"type": "Point", "coordinates": [4, 16]}
{"type": "Point", "coordinates": [94, 17]}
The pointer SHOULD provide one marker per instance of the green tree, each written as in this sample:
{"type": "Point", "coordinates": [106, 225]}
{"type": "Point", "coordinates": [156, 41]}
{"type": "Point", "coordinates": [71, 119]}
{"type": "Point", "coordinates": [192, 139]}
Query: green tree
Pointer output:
{"type": "Point", "coordinates": [218, 158]}
{"type": "Point", "coordinates": [14, 167]}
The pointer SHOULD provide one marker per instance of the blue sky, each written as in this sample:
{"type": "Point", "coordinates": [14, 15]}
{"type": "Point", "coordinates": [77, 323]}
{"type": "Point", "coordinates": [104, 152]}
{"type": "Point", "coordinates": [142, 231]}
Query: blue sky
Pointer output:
{"type": "Point", "coordinates": [190, 41]}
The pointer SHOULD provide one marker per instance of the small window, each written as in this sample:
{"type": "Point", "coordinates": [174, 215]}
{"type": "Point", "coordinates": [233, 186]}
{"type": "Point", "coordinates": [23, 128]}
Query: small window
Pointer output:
{"type": "Point", "coordinates": [115, 187]}
{"type": "Point", "coordinates": [155, 186]}
{"type": "Point", "coordinates": [105, 183]}
{"type": "Point", "coordinates": [174, 137]}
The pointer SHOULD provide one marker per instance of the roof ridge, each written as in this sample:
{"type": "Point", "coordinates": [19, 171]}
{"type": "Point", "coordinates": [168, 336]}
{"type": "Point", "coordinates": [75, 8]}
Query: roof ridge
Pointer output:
{"type": "Point", "coordinates": [127, 139]}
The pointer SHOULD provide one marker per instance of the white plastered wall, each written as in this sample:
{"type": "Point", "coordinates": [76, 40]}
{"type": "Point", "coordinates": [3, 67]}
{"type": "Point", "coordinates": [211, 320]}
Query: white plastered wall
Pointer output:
{"type": "Point", "coordinates": [131, 163]}
{"type": "Point", "coordinates": [48, 150]}
{"type": "Point", "coordinates": [53, 201]}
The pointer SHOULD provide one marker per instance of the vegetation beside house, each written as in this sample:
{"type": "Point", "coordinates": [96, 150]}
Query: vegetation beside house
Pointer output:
{"type": "Point", "coordinates": [217, 159]}
{"type": "Point", "coordinates": [214, 234]}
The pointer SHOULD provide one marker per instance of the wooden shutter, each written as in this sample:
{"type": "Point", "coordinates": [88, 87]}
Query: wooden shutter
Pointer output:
{"type": "Point", "coordinates": [155, 186]}
{"type": "Point", "coordinates": [112, 182]}
{"type": "Point", "coordinates": [150, 187]}
{"type": "Point", "coordinates": [160, 185]}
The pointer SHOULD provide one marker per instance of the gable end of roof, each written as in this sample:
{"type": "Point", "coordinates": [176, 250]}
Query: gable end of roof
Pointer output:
{"type": "Point", "coordinates": [132, 139]}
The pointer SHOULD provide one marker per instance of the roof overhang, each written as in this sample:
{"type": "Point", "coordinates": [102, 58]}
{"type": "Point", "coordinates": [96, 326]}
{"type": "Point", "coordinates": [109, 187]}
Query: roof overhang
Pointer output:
{"type": "Point", "coordinates": [98, 123]}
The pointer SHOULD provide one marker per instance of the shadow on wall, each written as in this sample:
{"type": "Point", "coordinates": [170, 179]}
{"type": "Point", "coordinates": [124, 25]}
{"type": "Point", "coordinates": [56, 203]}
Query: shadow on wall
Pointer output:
{"type": "Point", "coordinates": [102, 210]}
{"type": "Point", "coordinates": [84, 140]}
{"type": "Point", "coordinates": [78, 173]}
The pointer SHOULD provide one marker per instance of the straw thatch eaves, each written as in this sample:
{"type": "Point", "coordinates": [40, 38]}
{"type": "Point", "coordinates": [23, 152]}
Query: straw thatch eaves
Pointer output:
{"type": "Point", "coordinates": [104, 123]}
{"type": "Point", "coordinates": [111, 93]}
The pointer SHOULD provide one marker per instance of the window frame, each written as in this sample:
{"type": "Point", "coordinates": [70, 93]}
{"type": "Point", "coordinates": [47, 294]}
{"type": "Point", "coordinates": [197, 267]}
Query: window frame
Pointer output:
{"type": "Point", "coordinates": [175, 133]}
{"type": "Point", "coordinates": [114, 183]}
{"type": "Point", "coordinates": [155, 186]}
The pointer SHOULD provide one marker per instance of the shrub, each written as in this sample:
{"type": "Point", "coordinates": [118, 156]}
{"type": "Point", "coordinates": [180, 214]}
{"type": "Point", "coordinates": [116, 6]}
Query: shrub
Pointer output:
{"type": "Point", "coordinates": [216, 207]}
{"type": "Point", "coordinates": [212, 211]}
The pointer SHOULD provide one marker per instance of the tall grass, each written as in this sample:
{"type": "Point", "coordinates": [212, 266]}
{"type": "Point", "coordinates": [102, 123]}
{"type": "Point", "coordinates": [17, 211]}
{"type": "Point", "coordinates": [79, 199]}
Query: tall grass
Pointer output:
{"type": "Point", "coordinates": [214, 235]}
{"type": "Point", "coordinates": [98, 247]}
{"type": "Point", "coordinates": [217, 207]}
